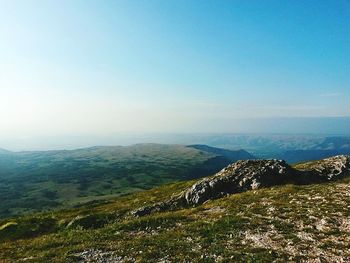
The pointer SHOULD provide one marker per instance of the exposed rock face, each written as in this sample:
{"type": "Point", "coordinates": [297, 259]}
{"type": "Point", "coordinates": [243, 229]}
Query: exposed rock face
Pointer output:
{"type": "Point", "coordinates": [253, 174]}
{"type": "Point", "coordinates": [332, 168]}
{"type": "Point", "coordinates": [239, 177]}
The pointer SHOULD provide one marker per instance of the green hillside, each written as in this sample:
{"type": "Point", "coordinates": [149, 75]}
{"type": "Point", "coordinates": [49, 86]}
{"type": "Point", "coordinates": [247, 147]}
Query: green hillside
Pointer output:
{"type": "Point", "coordinates": [36, 181]}
{"type": "Point", "coordinates": [282, 224]}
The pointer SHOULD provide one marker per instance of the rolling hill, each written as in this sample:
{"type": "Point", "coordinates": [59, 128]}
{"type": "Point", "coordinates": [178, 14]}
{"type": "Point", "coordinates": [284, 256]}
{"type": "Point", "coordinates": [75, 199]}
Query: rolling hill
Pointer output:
{"type": "Point", "coordinates": [284, 223]}
{"type": "Point", "coordinates": [35, 181]}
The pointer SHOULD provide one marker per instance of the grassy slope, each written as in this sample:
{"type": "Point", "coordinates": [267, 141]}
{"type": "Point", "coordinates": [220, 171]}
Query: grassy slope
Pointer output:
{"type": "Point", "coordinates": [35, 181]}
{"type": "Point", "coordinates": [287, 223]}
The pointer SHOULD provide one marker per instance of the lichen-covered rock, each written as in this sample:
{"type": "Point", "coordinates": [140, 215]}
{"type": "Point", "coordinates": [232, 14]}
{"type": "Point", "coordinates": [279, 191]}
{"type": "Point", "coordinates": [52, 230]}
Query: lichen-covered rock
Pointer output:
{"type": "Point", "coordinates": [253, 174]}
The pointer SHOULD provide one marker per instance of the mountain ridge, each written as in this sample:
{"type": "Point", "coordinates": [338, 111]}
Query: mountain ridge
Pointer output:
{"type": "Point", "coordinates": [238, 154]}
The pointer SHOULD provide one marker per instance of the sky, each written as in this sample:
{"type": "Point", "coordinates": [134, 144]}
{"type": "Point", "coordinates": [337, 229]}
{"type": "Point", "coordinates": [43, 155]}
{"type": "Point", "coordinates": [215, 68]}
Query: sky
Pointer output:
{"type": "Point", "coordinates": [98, 68]}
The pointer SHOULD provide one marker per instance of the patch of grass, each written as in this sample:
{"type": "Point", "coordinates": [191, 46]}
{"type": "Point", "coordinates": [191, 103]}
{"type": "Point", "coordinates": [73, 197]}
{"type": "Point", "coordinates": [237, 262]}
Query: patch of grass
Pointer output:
{"type": "Point", "coordinates": [27, 228]}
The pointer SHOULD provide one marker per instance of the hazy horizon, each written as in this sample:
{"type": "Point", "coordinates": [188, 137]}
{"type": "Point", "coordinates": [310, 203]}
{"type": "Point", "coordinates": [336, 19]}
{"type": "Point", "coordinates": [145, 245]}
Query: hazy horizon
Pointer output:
{"type": "Point", "coordinates": [95, 69]}
{"type": "Point", "coordinates": [288, 127]}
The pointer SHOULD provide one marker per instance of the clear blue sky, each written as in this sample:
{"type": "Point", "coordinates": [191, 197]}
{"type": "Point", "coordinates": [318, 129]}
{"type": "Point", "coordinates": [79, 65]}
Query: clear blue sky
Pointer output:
{"type": "Point", "coordinates": [101, 67]}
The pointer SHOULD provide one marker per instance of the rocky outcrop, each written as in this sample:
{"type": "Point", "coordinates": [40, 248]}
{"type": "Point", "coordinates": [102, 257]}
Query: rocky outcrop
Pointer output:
{"type": "Point", "coordinates": [99, 256]}
{"type": "Point", "coordinates": [253, 174]}
{"type": "Point", "coordinates": [330, 168]}
{"type": "Point", "coordinates": [239, 177]}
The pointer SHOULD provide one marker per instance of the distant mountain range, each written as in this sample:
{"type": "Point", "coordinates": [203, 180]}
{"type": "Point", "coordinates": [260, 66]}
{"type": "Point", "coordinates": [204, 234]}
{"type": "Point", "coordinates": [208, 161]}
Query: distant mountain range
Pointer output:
{"type": "Point", "coordinates": [292, 148]}
{"type": "Point", "coordinates": [328, 147]}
